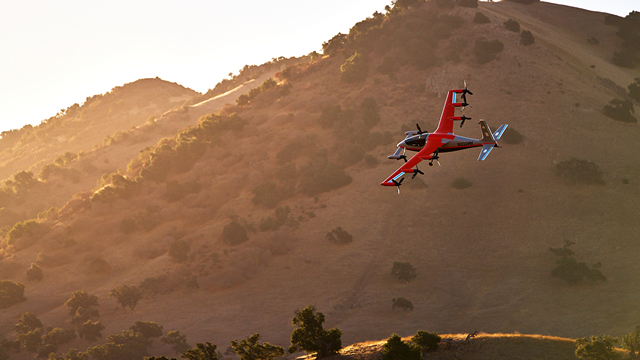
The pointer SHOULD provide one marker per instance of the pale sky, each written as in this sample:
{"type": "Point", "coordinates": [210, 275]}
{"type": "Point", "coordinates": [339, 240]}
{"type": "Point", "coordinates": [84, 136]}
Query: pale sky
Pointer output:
{"type": "Point", "coordinates": [57, 53]}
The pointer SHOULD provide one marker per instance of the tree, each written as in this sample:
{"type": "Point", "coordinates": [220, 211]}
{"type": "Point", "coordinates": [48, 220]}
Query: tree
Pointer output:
{"type": "Point", "coordinates": [234, 233]}
{"type": "Point", "coordinates": [73, 354]}
{"type": "Point", "coordinates": [30, 340]}
{"type": "Point", "coordinates": [596, 349]}
{"type": "Point", "coordinates": [206, 351]}
{"type": "Point", "coordinates": [91, 330]}
{"type": "Point", "coordinates": [339, 236]}
{"type": "Point", "coordinates": [127, 295]}
{"type": "Point", "coordinates": [34, 273]}
{"type": "Point", "coordinates": [83, 314]}
{"type": "Point", "coordinates": [311, 337]}
{"type": "Point", "coordinates": [426, 340]}
{"type": "Point", "coordinates": [27, 322]}
{"type": "Point", "coordinates": [572, 271]}
{"type": "Point", "coordinates": [250, 349]}
{"type": "Point", "coordinates": [177, 341]}
{"type": "Point", "coordinates": [634, 89]}
{"type": "Point", "coordinates": [396, 349]}
{"type": "Point", "coordinates": [11, 293]}
{"type": "Point", "coordinates": [147, 330]}
{"type": "Point", "coordinates": [403, 271]}
{"type": "Point", "coordinates": [80, 299]}
{"type": "Point", "coordinates": [620, 110]}
{"type": "Point", "coordinates": [631, 342]}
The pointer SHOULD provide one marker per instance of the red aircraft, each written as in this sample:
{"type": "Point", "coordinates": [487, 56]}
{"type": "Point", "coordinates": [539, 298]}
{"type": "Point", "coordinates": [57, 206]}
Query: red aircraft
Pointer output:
{"type": "Point", "coordinates": [429, 146]}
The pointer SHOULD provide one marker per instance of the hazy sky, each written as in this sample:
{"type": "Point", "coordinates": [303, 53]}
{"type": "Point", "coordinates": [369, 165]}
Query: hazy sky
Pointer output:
{"type": "Point", "coordinates": [56, 53]}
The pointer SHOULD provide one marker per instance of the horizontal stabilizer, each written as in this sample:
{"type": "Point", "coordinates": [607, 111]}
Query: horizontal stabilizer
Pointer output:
{"type": "Point", "coordinates": [486, 149]}
{"type": "Point", "coordinates": [498, 134]}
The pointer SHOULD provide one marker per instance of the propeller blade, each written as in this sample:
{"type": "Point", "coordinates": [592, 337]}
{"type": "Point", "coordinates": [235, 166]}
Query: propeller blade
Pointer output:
{"type": "Point", "coordinates": [419, 130]}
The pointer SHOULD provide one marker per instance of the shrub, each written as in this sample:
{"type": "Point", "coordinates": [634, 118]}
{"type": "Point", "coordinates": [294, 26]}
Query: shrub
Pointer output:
{"type": "Point", "coordinates": [339, 236]}
{"type": "Point", "coordinates": [354, 68]}
{"type": "Point", "coordinates": [396, 349]}
{"type": "Point", "coordinates": [234, 233]}
{"type": "Point", "coordinates": [403, 271]}
{"type": "Point", "coordinates": [177, 341]}
{"type": "Point", "coordinates": [11, 293]}
{"type": "Point", "coordinates": [34, 273]}
{"type": "Point", "coordinates": [574, 172]}
{"type": "Point", "coordinates": [334, 45]}
{"type": "Point", "coordinates": [512, 25]}
{"type": "Point", "coordinates": [99, 266]}
{"type": "Point", "coordinates": [631, 342]}
{"type": "Point", "coordinates": [279, 218]}
{"type": "Point", "coordinates": [486, 50]}
{"type": "Point", "coordinates": [621, 110]}
{"type": "Point", "coordinates": [460, 183]}
{"type": "Point", "coordinates": [626, 58]}
{"type": "Point", "coordinates": [481, 18]}
{"type": "Point", "coordinates": [526, 38]}
{"type": "Point", "coordinates": [426, 340]}
{"type": "Point", "coordinates": [179, 251]}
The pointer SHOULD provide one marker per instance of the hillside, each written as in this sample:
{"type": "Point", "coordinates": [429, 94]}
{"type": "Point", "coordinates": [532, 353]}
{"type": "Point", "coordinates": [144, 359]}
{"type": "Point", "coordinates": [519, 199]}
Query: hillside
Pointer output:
{"type": "Point", "coordinates": [287, 174]}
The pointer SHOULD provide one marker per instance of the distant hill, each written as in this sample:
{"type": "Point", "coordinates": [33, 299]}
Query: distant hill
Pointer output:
{"type": "Point", "coordinates": [238, 194]}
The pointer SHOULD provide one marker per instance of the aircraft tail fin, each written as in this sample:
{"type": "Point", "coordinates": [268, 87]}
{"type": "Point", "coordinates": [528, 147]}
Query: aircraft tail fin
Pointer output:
{"type": "Point", "coordinates": [489, 139]}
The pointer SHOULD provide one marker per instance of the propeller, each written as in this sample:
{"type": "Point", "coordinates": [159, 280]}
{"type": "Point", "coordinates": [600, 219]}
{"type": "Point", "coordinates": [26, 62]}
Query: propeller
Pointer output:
{"type": "Point", "coordinates": [416, 171]}
{"type": "Point", "coordinates": [419, 130]}
{"type": "Point", "coordinates": [397, 184]}
{"type": "Point", "coordinates": [463, 118]}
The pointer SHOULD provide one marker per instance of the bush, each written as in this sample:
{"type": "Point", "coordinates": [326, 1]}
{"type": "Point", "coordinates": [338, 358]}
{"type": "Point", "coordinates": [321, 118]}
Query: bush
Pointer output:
{"type": "Point", "coordinates": [512, 25]}
{"type": "Point", "coordinates": [179, 251]}
{"type": "Point", "coordinates": [234, 233]}
{"type": "Point", "coordinates": [461, 183]}
{"type": "Point", "coordinates": [526, 38]}
{"type": "Point", "coordinates": [401, 303]}
{"type": "Point", "coordinates": [396, 349]}
{"type": "Point", "coordinates": [426, 340]}
{"type": "Point", "coordinates": [481, 18]}
{"type": "Point", "coordinates": [339, 236]}
{"type": "Point", "coordinates": [280, 217]}
{"type": "Point", "coordinates": [403, 271]}
{"type": "Point", "coordinates": [34, 273]}
{"type": "Point", "coordinates": [21, 229]}
{"type": "Point", "coordinates": [486, 50]}
{"type": "Point", "coordinates": [11, 293]}
{"type": "Point", "coordinates": [621, 110]}
{"type": "Point", "coordinates": [574, 172]}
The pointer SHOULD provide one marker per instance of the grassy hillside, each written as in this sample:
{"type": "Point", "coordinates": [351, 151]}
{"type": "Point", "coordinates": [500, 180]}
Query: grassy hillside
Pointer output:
{"type": "Point", "coordinates": [306, 155]}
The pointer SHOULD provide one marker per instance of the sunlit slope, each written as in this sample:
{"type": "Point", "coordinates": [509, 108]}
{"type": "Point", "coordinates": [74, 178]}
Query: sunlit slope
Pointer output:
{"type": "Point", "coordinates": [481, 253]}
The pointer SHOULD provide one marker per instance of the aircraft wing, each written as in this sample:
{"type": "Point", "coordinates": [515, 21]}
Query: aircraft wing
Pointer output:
{"type": "Point", "coordinates": [407, 168]}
